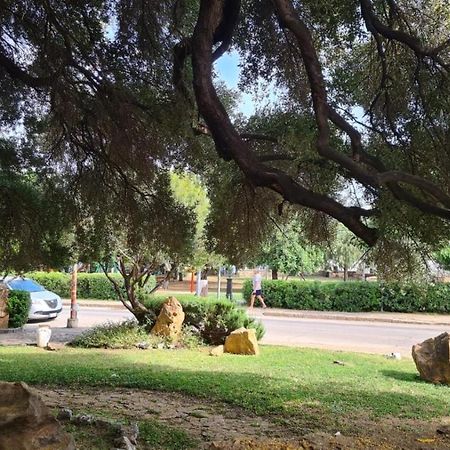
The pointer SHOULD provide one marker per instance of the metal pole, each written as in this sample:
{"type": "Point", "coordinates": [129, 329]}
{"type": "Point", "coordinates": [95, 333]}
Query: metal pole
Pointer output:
{"type": "Point", "coordinates": [72, 321]}
{"type": "Point", "coordinates": [198, 287]}
{"type": "Point", "coordinates": [218, 283]}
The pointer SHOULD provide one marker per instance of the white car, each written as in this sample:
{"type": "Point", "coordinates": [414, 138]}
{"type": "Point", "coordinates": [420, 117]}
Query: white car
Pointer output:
{"type": "Point", "coordinates": [44, 304]}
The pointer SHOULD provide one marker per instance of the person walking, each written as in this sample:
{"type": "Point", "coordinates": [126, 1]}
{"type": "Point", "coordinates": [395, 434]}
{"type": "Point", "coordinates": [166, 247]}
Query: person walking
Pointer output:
{"type": "Point", "coordinates": [257, 291]}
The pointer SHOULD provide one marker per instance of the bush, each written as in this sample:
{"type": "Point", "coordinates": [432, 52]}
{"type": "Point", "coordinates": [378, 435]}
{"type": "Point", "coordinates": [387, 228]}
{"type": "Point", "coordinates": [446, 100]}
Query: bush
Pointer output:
{"type": "Point", "coordinates": [129, 334]}
{"type": "Point", "coordinates": [19, 303]}
{"type": "Point", "coordinates": [354, 296]}
{"type": "Point", "coordinates": [214, 319]}
{"type": "Point", "coordinates": [90, 285]}
{"type": "Point", "coordinates": [112, 335]}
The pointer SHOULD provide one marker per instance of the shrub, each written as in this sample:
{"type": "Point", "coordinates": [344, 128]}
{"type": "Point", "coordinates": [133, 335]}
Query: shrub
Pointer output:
{"type": "Point", "coordinates": [126, 334]}
{"type": "Point", "coordinates": [19, 303]}
{"type": "Point", "coordinates": [129, 334]}
{"type": "Point", "coordinates": [355, 296]}
{"type": "Point", "coordinates": [214, 319]}
{"type": "Point", "coordinates": [90, 285]}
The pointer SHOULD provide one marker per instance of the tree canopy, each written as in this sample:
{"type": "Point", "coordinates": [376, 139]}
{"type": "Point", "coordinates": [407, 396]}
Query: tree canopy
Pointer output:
{"type": "Point", "coordinates": [113, 92]}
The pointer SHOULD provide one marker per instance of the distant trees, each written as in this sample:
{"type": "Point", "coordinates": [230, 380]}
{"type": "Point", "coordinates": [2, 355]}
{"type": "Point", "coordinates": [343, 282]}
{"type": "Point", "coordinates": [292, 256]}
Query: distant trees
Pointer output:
{"type": "Point", "coordinates": [288, 252]}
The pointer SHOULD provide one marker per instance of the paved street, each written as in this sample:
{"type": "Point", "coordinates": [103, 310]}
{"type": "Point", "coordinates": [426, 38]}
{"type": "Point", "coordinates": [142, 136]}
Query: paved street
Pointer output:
{"type": "Point", "coordinates": [377, 337]}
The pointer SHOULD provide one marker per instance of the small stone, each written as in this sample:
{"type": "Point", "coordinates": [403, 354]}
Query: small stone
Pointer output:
{"type": "Point", "coordinates": [143, 345]}
{"type": "Point", "coordinates": [444, 429]}
{"type": "Point", "coordinates": [216, 351]}
{"type": "Point", "coordinates": [84, 419]}
{"type": "Point", "coordinates": [124, 443]}
{"type": "Point", "coordinates": [65, 414]}
{"type": "Point", "coordinates": [338, 433]}
{"type": "Point", "coordinates": [339, 363]}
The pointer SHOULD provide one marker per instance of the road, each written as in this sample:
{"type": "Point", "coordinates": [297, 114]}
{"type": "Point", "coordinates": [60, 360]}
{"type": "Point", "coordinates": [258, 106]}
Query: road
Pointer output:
{"type": "Point", "coordinates": [369, 337]}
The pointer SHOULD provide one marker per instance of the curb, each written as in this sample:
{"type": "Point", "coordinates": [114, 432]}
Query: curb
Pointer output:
{"type": "Point", "coordinates": [355, 318]}
{"type": "Point", "coordinates": [10, 330]}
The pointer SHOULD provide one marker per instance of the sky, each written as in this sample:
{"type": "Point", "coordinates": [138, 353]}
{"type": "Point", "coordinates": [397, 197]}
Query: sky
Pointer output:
{"type": "Point", "coordinates": [228, 71]}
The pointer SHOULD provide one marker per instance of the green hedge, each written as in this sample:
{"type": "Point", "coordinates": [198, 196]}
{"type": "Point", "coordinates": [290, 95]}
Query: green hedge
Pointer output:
{"type": "Point", "coordinates": [90, 285]}
{"type": "Point", "coordinates": [214, 319]}
{"type": "Point", "coordinates": [19, 303]}
{"type": "Point", "coordinates": [354, 296]}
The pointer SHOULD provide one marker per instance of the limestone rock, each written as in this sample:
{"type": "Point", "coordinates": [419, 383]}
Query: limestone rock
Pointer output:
{"type": "Point", "coordinates": [4, 315]}
{"type": "Point", "coordinates": [26, 423]}
{"type": "Point", "coordinates": [432, 358]}
{"type": "Point", "coordinates": [242, 342]}
{"type": "Point", "coordinates": [216, 351]}
{"type": "Point", "coordinates": [170, 319]}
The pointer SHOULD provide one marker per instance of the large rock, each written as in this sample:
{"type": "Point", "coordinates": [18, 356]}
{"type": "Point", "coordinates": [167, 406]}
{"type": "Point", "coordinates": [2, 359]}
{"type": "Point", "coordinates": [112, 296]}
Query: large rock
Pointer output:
{"type": "Point", "coordinates": [432, 358]}
{"type": "Point", "coordinates": [242, 342]}
{"type": "Point", "coordinates": [4, 315]}
{"type": "Point", "coordinates": [26, 423]}
{"type": "Point", "coordinates": [170, 319]}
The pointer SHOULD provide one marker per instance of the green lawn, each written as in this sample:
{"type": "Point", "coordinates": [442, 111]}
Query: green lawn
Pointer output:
{"type": "Point", "coordinates": [286, 381]}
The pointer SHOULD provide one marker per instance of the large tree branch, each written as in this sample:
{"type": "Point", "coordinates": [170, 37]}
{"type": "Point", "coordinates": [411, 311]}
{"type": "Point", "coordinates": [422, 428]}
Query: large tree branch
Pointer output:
{"type": "Point", "coordinates": [374, 24]}
{"type": "Point", "coordinates": [230, 143]}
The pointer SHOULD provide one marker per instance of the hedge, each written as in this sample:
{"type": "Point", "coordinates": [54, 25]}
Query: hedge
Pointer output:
{"type": "Point", "coordinates": [354, 296]}
{"type": "Point", "coordinates": [90, 285]}
{"type": "Point", "coordinates": [214, 319]}
{"type": "Point", "coordinates": [19, 303]}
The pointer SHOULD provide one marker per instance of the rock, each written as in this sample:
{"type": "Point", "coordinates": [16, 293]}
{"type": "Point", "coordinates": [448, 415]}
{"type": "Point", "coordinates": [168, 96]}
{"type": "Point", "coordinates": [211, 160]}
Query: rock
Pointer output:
{"type": "Point", "coordinates": [432, 358]}
{"type": "Point", "coordinates": [124, 443]}
{"type": "Point", "coordinates": [143, 345]}
{"type": "Point", "coordinates": [65, 414]}
{"type": "Point", "coordinates": [444, 430]}
{"type": "Point", "coordinates": [170, 320]}
{"type": "Point", "coordinates": [339, 363]}
{"type": "Point", "coordinates": [26, 423]}
{"type": "Point", "coordinates": [216, 351]}
{"type": "Point", "coordinates": [4, 314]}
{"type": "Point", "coordinates": [242, 342]}
{"type": "Point", "coordinates": [393, 355]}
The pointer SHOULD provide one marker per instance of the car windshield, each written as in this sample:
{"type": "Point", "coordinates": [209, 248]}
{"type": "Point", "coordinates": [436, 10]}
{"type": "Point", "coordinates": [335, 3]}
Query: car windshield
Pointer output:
{"type": "Point", "coordinates": [25, 285]}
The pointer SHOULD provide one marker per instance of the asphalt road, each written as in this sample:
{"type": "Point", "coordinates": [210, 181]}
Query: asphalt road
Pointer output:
{"type": "Point", "coordinates": [369, 337]}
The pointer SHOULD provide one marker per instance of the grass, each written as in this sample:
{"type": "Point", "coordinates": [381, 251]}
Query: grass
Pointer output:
{"type": "Point", "coordinates": [286, 381]}
{"type": "Point", "coordinates": [152, 435]}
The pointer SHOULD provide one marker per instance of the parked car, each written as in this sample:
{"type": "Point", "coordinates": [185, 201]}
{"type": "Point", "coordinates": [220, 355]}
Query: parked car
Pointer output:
{"type": "Point", "coordinates": [44, 304]}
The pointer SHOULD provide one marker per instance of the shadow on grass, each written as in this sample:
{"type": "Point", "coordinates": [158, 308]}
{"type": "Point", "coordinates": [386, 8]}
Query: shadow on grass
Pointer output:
{"type": "Point", "coordinates": [403, 376]}
{"type": "Point", "coordinates": [323, 397]}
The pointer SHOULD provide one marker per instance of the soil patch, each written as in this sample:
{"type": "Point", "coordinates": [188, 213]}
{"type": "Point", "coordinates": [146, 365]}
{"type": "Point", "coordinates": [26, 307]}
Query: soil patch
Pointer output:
{"type": "Point", "coordinates": [222, 426]}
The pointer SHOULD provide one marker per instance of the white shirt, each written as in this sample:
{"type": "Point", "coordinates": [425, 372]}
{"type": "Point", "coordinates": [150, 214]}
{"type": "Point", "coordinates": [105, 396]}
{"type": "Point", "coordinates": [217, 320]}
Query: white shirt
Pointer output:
{"type": "Point", "coordinates": [257, 282]}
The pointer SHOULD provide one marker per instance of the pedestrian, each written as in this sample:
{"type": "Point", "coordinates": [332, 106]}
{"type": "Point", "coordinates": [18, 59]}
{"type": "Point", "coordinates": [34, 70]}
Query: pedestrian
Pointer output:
{"type": "Point", "coordinates": [257, 292]}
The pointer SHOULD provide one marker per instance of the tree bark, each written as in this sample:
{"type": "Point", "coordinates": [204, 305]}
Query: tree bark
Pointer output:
{"type": "Point", "coordinates": [274, 274]}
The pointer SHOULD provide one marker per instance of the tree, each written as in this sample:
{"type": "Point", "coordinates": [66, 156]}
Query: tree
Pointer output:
{"type": "Point", "coordinates": [363, 101]}
{"type": "Point", "coordinates": [443, 258]}
{"type": "Point", "coordinates": [148, 229]}
{"type": "Point", "coordinates": [288, 252]}
{"type": "Point", "coordinates": [35, 218]}
{"type": "Point", "coordinates": [345, 250]}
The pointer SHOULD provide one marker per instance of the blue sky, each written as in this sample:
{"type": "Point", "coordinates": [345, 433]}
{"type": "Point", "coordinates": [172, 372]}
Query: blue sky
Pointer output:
{"type": "Point", "coordinates": [228, 70]}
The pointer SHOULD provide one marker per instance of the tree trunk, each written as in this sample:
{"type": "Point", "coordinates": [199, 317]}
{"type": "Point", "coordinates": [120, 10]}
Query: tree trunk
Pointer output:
{"type": "Point", "coordinates": [345, 273]}
{"type": "Point", "coordinates": [274, 274]}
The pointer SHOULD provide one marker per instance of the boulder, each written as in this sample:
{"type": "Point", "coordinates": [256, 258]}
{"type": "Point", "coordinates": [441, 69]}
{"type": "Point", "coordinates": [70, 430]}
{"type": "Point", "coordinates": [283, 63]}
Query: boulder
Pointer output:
{"type": "Point", "coordinates": [26, 423]}
{"type": "Point", "coordinates": [4, 315]}
{"type": "Point", "coordinates": [432, 358]}
{"type": "Point", "coordinates": [170, 320]}
{"type": "Point", "coordinates": [216, 351]}
{"type": "Point", "coordinates": [242, 342]}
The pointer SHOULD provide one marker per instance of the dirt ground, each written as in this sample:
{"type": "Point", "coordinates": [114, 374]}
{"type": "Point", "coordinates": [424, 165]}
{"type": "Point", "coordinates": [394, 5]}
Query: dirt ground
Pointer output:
{"type": "Point", "coordinates": [222, 426]}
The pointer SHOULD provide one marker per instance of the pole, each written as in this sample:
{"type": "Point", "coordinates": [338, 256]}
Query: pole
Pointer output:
{"type": "Point", "coordinates": [191, 287]}
{"type": "Point", "coordinates": [218, 283]}
{"type": "Point", "coordinates": [72, 322]}
{"type": "Point", "coordinates": [198, 287]}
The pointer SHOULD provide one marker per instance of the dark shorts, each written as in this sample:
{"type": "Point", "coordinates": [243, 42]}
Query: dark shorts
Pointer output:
{"type": "Point", "coordinates": [258, 292]}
